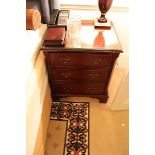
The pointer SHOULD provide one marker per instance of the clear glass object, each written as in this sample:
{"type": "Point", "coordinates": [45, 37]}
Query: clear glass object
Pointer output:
{"type": "Point", "coordinates": [74, 27]}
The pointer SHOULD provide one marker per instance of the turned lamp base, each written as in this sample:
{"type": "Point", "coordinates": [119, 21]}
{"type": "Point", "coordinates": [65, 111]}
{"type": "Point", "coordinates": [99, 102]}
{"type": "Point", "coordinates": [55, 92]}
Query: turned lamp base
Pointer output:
{"type": "Point", "coordinates": [104, 25]}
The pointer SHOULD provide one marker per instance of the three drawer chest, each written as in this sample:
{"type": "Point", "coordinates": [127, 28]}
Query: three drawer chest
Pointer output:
{"type": "Point", "coordinates": [84, 65]}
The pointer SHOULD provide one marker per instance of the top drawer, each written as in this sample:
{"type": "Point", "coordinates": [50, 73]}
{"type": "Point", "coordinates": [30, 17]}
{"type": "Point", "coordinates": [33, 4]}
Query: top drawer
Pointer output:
{"type": "Point", "coordinates": [78, 59]}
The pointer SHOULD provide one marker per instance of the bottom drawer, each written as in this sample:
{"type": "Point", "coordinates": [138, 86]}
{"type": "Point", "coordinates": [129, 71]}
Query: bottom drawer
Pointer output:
{"type": "Point", "coordinates": [79, 88]}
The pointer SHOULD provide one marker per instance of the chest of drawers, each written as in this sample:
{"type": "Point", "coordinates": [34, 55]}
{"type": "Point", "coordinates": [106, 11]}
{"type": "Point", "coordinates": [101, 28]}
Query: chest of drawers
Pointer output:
{"type": "Point", "coordinates": [79, 73]}
{"type": "Point", "coordinates": [84, 70]}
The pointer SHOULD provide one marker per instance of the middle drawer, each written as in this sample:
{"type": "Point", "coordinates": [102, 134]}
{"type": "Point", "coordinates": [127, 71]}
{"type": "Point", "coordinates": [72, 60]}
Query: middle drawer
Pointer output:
{"type": "Point", "coordinates": [80, 74]}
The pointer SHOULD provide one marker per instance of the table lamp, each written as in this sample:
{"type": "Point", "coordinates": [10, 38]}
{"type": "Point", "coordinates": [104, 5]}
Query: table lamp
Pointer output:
{"type": "Point", "coordinates": [102, 22]}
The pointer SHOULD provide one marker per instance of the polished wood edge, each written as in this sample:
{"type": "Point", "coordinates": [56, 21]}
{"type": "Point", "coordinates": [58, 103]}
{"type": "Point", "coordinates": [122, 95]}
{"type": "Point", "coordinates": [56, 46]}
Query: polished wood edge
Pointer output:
{"type": "Point", "coordinates": [82, 50]}
{"type": "Point", "coordinates": [112, 24]}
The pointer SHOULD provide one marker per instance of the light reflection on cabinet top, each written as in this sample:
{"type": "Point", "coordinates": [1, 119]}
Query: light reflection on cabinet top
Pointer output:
{"type": "Point", "coordinates": [92, 39]}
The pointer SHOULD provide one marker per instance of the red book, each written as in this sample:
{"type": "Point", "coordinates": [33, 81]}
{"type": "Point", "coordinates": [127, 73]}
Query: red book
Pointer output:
{"type": "Point", "coordinates": [55, 36]}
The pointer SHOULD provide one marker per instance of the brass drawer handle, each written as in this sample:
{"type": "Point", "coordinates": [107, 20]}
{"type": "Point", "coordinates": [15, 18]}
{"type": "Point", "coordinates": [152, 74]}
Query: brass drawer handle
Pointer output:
{"type": "Point", "coordinates": [91, 90]}
{"type": "Point", "coordinates": [68, 89]}
{"type": "Point", "coordinates": [93, 76]}
{"type": "Point", "coordinates": [65, 60]}
{"type": "Point", "coordinates": [97, 61]}
{"type": "Point", "coordinates": [66, 75]}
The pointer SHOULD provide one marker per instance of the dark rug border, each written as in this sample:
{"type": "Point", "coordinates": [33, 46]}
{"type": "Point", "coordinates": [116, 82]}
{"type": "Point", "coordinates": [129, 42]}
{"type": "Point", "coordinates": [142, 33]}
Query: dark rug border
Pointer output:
{"type": "Point", "coordinates": [67, 123]}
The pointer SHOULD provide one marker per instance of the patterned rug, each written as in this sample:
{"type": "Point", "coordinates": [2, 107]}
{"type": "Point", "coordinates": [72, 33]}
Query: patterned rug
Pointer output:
{"type": "Point", "coordinates": [68, 132]}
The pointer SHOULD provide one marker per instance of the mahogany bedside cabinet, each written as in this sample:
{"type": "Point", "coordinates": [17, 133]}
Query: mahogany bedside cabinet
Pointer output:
{"type": "Point", "coordinates": [83, 66]}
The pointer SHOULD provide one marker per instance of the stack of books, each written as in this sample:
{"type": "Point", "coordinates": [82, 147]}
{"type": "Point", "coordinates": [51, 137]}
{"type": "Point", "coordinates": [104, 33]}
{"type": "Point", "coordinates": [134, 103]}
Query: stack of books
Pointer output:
{"type": "Point", "coordinates": [55, 36]}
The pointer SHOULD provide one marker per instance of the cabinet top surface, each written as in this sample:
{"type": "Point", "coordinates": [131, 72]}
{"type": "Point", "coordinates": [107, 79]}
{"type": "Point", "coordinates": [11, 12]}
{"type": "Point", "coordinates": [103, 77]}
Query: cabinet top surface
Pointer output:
{"type": "Point", "coordinates": [91, 39]}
